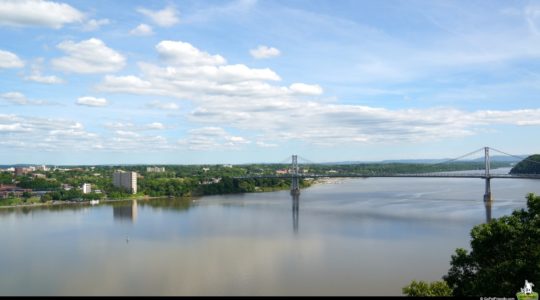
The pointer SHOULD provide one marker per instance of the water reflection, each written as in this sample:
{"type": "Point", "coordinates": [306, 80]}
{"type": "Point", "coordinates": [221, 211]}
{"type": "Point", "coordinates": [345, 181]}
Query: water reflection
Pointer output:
{"type": "Point", "coordinates": [295, 211]}
{"type": "Point", "coordinates": [125, 212]}
{"type": "Point", "coordinates": [488, 210]}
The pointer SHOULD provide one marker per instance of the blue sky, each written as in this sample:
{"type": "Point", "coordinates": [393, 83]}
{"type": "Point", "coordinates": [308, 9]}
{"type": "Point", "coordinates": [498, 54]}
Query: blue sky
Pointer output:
{"type": "Point", "coordinates": [189, 82]}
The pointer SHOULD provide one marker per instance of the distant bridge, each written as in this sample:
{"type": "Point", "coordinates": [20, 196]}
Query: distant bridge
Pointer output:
{"type": "Point", "coordinates": [295, 175]}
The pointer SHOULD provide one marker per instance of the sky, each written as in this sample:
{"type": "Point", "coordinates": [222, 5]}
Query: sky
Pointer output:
{"type": "Point", "coordinates": [247, 81]}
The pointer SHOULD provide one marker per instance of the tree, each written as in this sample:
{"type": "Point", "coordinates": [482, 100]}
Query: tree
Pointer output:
{"type": "Point", "coordinates": [530, 165]}
{"type": "Point", "coordinates": [505, 252]}
{"type": "Point", "coordinates": [423, 289]}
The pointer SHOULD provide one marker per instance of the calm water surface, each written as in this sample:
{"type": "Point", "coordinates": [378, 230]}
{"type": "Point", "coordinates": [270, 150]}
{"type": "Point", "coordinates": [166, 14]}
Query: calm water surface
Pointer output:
{"type": "Point", "coordinates": [356, 237]}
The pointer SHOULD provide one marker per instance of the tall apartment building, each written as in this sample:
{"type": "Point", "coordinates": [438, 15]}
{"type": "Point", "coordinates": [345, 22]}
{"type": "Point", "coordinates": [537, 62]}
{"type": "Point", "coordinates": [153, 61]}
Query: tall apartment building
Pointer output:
{"type": "Point", "coordinates": [86, 188]}
{"type": "Point", "coordinates": [126, 180]}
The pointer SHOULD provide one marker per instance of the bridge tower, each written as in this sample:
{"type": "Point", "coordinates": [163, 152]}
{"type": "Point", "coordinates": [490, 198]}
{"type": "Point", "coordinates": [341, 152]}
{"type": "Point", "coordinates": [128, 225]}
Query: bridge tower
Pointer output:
{"type": "Point", "coordinates": [295, 185]}
{"type": "Point", "coordinates": [487, 194]}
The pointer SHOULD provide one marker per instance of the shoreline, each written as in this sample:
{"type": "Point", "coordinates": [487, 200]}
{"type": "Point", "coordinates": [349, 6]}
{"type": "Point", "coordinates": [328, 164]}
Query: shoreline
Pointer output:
{"type": "Point", "coordinates": [58, 202]}
{"type": "Point", "coordinates": [321, 180]}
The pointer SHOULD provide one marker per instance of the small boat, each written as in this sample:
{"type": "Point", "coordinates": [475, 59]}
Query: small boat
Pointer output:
{"type": "Point", "coordinates": [94, 202]}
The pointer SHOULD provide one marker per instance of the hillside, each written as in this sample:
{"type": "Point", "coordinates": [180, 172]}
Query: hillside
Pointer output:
{"type": "Point", "coordinates": [530, 165]}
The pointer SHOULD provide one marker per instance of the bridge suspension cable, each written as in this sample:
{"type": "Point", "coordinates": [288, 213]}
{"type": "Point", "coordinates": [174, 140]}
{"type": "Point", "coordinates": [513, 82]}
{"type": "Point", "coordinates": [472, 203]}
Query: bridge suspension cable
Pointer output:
{"type": "Point", "coordinates": [515, 156]}
{"type": "Point", "coordinates": [305, 160]}
{"type": "Point", "coordinates": [458, 158]}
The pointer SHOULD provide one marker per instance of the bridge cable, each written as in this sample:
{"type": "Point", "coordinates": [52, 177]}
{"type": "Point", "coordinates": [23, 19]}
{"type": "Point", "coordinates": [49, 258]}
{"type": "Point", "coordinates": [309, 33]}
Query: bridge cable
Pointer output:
{"type": "Point", "coordinates": [306, 161]}
{"type": "Point", "coordinates": [457, 158]}
{"type": "Point", "coordinates": [515, 156]}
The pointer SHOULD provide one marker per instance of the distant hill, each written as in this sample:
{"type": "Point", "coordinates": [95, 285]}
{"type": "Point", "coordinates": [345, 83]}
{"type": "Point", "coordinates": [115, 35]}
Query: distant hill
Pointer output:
{"type": "Point", "coordinates": [530, 165]}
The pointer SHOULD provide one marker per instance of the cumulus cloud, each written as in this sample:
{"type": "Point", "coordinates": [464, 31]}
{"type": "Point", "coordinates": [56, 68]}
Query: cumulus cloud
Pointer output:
{"type": "Point", "coordinates": [264, 52]}
{"type": "Point", "coordinates": [307, 89]}
{"type": "Point", "coordinates": [88, 56]}
{"type": "Point", "coordinates": [163, 105]}
{"type": "Point", "coordinates": [36, 75]}
{"type": "Point", "coordinates": [50, 134]}
{"type": "Point", "coordinates": [155, 126]}
{"type": "Point", "coordinates": [38, 13]}
{"type": "Point", "coordinates": [245, 99]}
{"type": "Point", "coordinates": [10, 60]}
{"type": "Point", "coordinates": [44, 79]}
{"type": "Point", "coordinates": [142, 30]}
{"type": "Point", "coordinates": [92, 101]}
{"type": "Point", "coordinates": [94, 24]}
{"type": "Point", "coordinates": [44, 133]}
{"type": "Point", "coordinates": [19, 99]}
{"type": "Point", "coordinates": [182, 53]}
{"type": "Point", "coordinates": [211, 138]}
{"type": "Point", "coordinates": [165, 18]}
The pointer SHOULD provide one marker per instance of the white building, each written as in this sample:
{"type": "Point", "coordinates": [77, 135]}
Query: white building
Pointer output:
{"type": "Point", "coordinates": [42, 168]}
{"type": "Point", "coordinates": [126, 180]}
{"type": "Point", "coordinates": [155, 169]}
{"type": "Point", "coordinates": [86, 188]}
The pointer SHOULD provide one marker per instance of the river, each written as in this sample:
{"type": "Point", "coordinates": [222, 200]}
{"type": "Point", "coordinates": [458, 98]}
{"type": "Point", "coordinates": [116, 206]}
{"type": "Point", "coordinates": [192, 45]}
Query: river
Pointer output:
{"type": "Point", "coordinates": [353, 237]}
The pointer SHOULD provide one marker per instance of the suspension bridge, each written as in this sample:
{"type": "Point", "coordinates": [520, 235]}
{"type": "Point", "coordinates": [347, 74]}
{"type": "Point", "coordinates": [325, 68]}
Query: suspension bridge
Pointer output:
{"type": "Point", "coordinates": [295, 175]}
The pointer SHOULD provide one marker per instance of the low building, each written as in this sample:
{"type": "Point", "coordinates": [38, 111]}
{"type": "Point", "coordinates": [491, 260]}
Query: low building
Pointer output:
{"type": "Point", "coordinates": [282, 171]}
{"type": "Point", "coordinates": [155, 169]}
{"type": "Point", "coordinates": [19, 171]}
{"type": "Point", "coordinates": [66, 187]}
{"type": "Point", "coordinates": [86, 188]}
{"type": "Point", "coordinates": [7, 191]}
{"type": "Point", "coordinates": [42, 168]}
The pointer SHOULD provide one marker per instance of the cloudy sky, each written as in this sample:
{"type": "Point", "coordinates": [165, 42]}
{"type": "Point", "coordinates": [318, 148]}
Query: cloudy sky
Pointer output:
{"type": "Point", "coordinates": [239, 81]}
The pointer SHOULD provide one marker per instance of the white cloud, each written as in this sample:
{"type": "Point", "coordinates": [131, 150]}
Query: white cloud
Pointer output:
{"type": "Point", "coordinates": [142, 30]}
{"type": "Point", "coordinates": [14, 97]}
{"type": "Point", "coordinates": [10, 60]}
{"type": "Point", "coordinates": [44, 79]}
{"type": "Point", "coordinates": [182, 53]}
{"type": "Point", "coordinates": [211, 138]}
{"type": "Point", "coordinates": [244, 99]}
{"type": "Point", "coordinates": [44, 133]}
{"type": "Point", "coordinates": [19, 99]}
{"type": "Point", "coordinates": [266, 145]}
{"type": "Point", "coordinates": [94, 24]}
{"type": "Point", "coordinates": [306, 89]}
{"type": "Point", "coordinates": [36, 75]}
{"type": "Point", "coordinates": [92, 101]}
{"type": "Point", "coordinates": [165, 18]}
{"type": "Point", "coordinates": [89, 56]}
{"type": "Point", "coordinates": [264, 52]}
{"type": "Point", "coordinates": [163, 105]}
{"type": "Point", "coordinates": [155, 126]}
{"type": "Point", "coordinates": [37, 13]}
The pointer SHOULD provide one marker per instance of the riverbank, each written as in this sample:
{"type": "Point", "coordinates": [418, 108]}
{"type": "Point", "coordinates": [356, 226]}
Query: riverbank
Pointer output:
{"type": "Point", "coordinates": [308, 183]}
{"type": "Point", "coordinates": [57, 202]}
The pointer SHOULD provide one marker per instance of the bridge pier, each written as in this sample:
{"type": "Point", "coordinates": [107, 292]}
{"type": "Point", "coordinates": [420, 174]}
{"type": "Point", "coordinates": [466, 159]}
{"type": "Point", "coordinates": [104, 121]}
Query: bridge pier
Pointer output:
{"type": "Point", "coordinates": [295, 182]}
{"type": "Point", "coordinates": [487, 194]}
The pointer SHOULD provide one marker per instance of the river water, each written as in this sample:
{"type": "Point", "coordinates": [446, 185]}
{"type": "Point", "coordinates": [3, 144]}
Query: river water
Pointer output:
{"type": "Point", "coordinates": [354, 237]}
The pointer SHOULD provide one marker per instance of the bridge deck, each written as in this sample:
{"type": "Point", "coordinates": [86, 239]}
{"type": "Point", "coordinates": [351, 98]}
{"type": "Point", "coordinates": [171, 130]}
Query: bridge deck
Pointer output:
{"type": "Point", "coordinates": [422, 175]}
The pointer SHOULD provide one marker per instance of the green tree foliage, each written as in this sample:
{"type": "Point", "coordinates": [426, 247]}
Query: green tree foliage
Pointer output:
{"type": "Point", "coordinates": [530, 165]}
{"type": "Point", "coordinates": [38, 183]}
{"type": "Point", "coordinates": [505, 252]}
{"type": "Point", "coordinates": [423, 289]}
{"type": "Point", "coordinates": [5, 178]}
